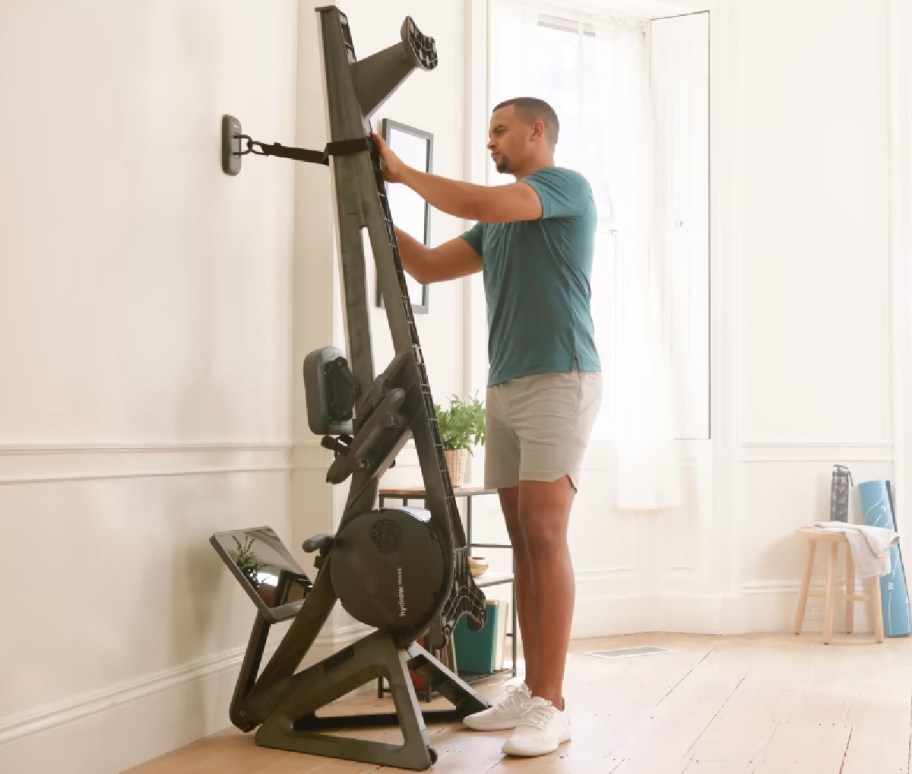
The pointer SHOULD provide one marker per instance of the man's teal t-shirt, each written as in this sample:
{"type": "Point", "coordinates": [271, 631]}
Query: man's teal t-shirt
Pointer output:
{"type": "Point", "coordinates": [536, 280]}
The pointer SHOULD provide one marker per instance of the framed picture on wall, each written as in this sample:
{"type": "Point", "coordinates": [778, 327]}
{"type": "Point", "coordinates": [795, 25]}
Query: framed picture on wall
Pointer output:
{"type": "Point", "coordinates": [410, 212]}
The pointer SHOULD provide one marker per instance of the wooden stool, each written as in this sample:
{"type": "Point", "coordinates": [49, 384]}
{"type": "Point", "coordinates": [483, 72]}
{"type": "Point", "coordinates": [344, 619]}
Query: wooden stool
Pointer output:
{"type": "Point", "coordinates": [835, 540]}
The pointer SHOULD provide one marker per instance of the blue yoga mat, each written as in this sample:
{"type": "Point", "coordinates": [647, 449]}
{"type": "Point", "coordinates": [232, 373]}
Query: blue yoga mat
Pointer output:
{"type": "Point", "coordinates": [877, 511]}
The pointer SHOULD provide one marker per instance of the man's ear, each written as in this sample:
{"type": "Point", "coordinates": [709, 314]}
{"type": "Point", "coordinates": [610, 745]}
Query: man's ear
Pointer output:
{"type": "Point", "coordinates": [538, 130]}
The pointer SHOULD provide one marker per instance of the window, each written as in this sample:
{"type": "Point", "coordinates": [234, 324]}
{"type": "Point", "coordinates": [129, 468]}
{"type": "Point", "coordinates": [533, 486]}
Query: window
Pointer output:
{"type": "Point", "coordinates": [632, 97]}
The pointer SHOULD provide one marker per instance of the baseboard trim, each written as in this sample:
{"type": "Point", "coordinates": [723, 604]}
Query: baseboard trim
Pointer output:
{"type": "Point", "coordinates": [98, 731]}
{"type": "Point", "coordinates": [35, 721]}
{"type": "Point", "coordinates": [767, 608]}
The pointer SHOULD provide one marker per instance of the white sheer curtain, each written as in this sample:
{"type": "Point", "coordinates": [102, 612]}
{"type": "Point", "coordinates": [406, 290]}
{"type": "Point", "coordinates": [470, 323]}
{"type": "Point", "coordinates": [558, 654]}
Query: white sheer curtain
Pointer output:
{"type": "Point", "coordinates": [595, 73]}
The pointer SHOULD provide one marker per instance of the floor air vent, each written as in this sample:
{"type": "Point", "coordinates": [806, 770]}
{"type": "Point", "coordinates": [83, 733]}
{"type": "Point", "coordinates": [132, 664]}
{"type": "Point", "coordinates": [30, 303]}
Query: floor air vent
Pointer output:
{"type": "Point", "coordinates": [642, 650]}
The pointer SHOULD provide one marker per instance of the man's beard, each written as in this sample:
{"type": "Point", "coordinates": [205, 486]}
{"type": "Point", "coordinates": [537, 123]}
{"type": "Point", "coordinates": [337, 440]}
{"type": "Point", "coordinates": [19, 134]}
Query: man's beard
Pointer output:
{"type": "Point", "coordinates": [502, 166]}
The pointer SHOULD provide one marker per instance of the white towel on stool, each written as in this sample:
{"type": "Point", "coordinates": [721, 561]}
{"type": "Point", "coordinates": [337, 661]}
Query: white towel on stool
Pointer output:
{"type": "Point", "coordinates": [870, 546]}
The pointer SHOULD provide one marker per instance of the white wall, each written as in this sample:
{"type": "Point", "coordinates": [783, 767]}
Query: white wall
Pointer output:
{"type": "Point", "coordinates": [145, 337]}
{"type": "Point", "coordinates": [900, 24]}
{"type": "Point", "coordinates": [811, 337]}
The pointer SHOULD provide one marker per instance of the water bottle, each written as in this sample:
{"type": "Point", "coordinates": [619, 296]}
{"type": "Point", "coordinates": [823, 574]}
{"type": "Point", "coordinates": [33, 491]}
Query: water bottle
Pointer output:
{"type": "Point", "coordinates": [839, 493]}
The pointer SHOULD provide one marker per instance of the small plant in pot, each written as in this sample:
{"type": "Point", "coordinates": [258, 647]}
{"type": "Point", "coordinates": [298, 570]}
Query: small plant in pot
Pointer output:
{"type": "Point", "coordinates": [462, 427]}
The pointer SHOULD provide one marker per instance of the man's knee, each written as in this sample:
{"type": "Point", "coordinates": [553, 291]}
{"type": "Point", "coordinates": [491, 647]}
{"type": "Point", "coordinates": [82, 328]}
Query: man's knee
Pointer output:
{"type": "Point", "coordinates": [543, 539]}
{"type": "Point", "coordinates": [544, 514]}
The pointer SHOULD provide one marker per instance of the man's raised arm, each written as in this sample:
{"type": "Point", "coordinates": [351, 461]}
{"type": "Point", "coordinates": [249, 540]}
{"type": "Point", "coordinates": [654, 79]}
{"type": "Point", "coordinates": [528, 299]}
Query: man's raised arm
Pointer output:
{"type": "Point", "coordinates": [450, 260]}
{"type": "Point", "coordinates": [489, 204]}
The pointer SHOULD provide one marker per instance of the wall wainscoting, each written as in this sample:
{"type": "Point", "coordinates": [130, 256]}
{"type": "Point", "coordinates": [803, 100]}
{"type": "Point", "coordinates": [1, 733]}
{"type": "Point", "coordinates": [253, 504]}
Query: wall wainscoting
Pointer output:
{"type": "Point", "coordinates": [809, 450]}
{"type": "Point", "coordinates": [133, 721]}
{"type": "Point", "coordinates": [55, 462]}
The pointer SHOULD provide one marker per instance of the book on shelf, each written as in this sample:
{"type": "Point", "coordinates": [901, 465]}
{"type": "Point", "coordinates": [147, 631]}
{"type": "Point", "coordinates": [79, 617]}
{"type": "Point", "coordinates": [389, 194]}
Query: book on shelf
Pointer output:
{"type": "Point", "coordinates": [482, 652]}
{"type": "Point", "coordinates": [500, 638]}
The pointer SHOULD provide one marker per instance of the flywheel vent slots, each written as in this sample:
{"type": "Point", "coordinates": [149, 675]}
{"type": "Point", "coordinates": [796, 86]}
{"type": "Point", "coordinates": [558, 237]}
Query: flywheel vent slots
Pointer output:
{"type": "Point", "coordinates": [386, 535]}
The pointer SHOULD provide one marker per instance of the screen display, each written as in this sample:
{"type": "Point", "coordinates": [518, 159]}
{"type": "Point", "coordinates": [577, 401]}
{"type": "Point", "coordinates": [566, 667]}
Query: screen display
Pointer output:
{"type": "Point", "coordinates": [263, 565]}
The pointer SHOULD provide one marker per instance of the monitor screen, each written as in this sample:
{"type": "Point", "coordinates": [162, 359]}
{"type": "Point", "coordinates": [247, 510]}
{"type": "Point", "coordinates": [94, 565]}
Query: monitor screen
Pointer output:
{"type": "Point", "coordinates": [265, 568]}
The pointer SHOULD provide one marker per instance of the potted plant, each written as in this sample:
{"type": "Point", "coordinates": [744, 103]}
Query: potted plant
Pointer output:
{"type": "Point", "coordinates": [462, 427]}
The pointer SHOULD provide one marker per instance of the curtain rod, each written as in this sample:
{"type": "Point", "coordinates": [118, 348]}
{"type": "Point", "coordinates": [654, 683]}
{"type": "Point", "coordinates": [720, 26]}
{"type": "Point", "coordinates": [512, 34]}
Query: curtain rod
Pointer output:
{"type": "Point", "coordinates": [588, 23]}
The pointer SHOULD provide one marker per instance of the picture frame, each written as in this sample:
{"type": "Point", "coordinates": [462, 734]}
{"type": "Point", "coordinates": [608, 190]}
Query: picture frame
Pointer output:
{"type": "Point", "coordinates": [410, 212]}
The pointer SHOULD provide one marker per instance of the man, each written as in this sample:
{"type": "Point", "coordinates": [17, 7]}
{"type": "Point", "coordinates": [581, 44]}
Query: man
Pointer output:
{"type": "Point", "coordinates": [534, 241]}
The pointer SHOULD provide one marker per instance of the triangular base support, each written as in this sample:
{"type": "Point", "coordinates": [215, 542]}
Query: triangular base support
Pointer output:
{"type": "Point", "coordinates": [294, 725]}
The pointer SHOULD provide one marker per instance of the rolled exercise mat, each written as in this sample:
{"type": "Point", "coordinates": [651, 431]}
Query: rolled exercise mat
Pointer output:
{"type": "Point", "coordinates": [877, 511]}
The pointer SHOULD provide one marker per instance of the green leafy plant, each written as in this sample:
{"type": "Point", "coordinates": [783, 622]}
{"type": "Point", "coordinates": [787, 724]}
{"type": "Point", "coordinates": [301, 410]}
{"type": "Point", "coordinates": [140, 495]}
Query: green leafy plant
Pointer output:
{"type": "Point", "coordinates": [462, 423]}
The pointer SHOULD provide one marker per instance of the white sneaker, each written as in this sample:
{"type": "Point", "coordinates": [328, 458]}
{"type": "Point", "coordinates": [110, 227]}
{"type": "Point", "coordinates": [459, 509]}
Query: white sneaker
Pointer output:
{"type": "Point", "coordinates": [542, 730]}
{"type": "Point", "coordinates": [503, 715]}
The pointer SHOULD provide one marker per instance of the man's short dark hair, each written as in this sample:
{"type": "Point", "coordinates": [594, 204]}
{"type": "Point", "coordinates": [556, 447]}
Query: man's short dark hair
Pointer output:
{"type": "Point", "coordinates": [534, 109]}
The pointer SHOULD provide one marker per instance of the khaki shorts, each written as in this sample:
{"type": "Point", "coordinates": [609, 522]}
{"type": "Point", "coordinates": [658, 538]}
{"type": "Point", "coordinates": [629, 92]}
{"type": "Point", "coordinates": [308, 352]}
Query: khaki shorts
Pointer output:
{"type": "Point", "coordinates": [537, 427]}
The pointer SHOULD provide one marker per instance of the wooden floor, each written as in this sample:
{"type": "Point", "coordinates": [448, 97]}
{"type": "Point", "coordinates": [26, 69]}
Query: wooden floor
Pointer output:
{"type": "Point", "coordinates": [710, 705]}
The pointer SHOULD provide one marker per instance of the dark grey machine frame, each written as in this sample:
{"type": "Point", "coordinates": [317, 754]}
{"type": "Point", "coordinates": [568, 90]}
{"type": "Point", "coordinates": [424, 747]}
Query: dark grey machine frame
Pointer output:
{"type": "Point", "coordinates": [390, 408]}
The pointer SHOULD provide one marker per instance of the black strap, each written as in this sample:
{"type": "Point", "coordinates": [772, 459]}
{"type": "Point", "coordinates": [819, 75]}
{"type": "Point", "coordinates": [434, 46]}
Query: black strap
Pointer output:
{"type": "Point", "coordinates": [348, 147]}
{"type": "Point", "coordinates": [339, 148]}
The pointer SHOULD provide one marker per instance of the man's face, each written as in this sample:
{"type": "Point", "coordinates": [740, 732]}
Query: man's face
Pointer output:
{"type": "Point", "coordinates": [509, 139]}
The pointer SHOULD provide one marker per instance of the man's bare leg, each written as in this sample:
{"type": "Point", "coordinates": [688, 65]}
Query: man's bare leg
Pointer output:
{"type": "Point", "coordinates": [546, 580]}
{"type": "Point", "coordinates": [525, 604]}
